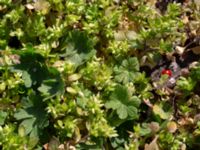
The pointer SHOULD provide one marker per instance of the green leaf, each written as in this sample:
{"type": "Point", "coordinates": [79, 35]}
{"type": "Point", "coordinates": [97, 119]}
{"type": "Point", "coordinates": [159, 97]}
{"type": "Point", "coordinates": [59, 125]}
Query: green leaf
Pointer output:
{"type": "Point", "coordinates": [131, 64]}
{"type": "Point", "coordinates": [114, 104]}
{"type": "Point", "coordinates": [145, 131]}
{"type": "Point", "coordinates": [45, 88]}
{"type": "Point", "coordinates": [123, 103]}
{"type": "Point", "coordinates": [158, 110]}
{"type": "Point", "coordinates": [165, 46]}
{"type": "Point", "coordinates": [27, 79]}
{"type": "Point", "coordinates": [122, 112]}
{"type": "Point", "coordinates": [135, 101]}
{"type": "Point", "coordinates": [28, 125]}
{"type": "Point", "coordinates": [78, 48]}
{"type": "Point", "coordinates": [195, 73]}
{"type": "Point", "coordinates": [33, 116]}
{"type": "Point", "coordinates": [32, 66]}
{"type": "Point", "coordinates": [22, 114]}
{"type": "Point", "coordinates": [53, 84]}
{"type": "Point", "coordinates": [52, 87]}
{"type": "Point", "coordinates": [127, 71]}
{"type": "Point", "coordinates": [186, 84]}
{"type": "Point", "coordinates": [21, 131]}
{"type": "Point", "coordinates": [3, 116]}
{"type": "Point", "coordinates": [132, 111]}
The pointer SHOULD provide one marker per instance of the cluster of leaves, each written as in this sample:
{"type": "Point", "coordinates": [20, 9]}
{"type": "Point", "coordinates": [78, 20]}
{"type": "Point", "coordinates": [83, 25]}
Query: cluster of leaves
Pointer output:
{"type": "Point", "coordinates": [71, 75]}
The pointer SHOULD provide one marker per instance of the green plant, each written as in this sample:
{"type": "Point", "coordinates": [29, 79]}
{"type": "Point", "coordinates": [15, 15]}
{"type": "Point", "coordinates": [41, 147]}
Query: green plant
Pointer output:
{"type": "Point", "coordinates": [87, 74]}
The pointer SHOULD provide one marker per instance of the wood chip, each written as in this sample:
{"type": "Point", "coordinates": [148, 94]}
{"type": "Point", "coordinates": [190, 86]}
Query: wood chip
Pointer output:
{"type": "Point", "coordinates": [196, 50]}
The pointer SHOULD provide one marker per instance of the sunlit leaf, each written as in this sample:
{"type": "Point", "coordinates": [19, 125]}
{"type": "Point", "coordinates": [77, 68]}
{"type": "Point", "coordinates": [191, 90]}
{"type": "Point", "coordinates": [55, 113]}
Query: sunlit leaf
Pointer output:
{"type": "Point", "coordinates": [158, 110]}
{"type": "Point", "coordinates": [27, 79]}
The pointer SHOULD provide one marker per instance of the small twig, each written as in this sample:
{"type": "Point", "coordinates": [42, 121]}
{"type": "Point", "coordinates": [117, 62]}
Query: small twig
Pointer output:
{"type": "Point", "coordinates": [148, 103]}
{"type": "Point", "coordinates": [174, 106]}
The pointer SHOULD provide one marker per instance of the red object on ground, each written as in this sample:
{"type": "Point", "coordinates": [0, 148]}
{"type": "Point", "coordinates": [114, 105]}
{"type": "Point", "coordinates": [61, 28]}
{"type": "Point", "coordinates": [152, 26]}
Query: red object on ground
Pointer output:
{"type": "Point", "coordinates": [167, 72]}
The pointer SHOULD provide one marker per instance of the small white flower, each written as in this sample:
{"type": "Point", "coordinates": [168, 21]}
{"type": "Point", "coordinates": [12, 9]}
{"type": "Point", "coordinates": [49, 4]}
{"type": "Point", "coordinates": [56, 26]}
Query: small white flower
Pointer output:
{"type": "Point", "coordinates": [172, 80]}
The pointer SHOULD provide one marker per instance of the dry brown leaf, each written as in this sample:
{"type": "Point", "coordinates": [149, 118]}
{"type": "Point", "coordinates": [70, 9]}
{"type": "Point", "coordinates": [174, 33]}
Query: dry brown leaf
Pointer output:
{"type": "Point", "coordinates": [148, 103]}
{"type": "Point", "coordinates": [77, 135]}
{"type": "Point", "coordinates": [196, 50]}
{"type": "Point", "coordinates": [74, 77]}
{"type": "Point", "coordinates": [185, 20]}
{"type": "Point", "coordinates": [185, 121]}
{"type": "Point", "coordinates": [183, 147]}
{"type": "Point", "coordinates": [196, 117]}
{"type": "Point", "coordinates": [120, 35]}
{"type": "Point", "coordinates": [185, 72]}
{"type": "Point", "coordinates": [30, 6]}
{"type": "Point", "coordinates": [198, 31]}
{"type": "Point", "coordinates": [193, 64]}
{"type": "Point", "coordinates": [179, 50]}
{"type": "Point", "coordinates": [194, 33]}
{"type": "Point", "coordinates": [53, 144]}
{"type": "Point", "coordinates": [172, 126]}
{"type": "Point", "coordinates": [131, 35]}
{"type": "Point", "coordinates": [153, 145]}
{"type": "Point", "coordinates": [154, 126]}
{"type": "Point", "coordinates": [197, 2]}
{"type": "Point", "coordinates": [39, 5]}
{"type": "Point", "coordinates": [152, 2]}
{"type": "Point", "coordinates": [45, 146]}
{"type": "Point", "coordinates": [61, 147]}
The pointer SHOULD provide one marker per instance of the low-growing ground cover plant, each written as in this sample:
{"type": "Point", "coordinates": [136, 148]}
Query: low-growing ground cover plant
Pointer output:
{"type": "Point", "coordinates": [99, 74]}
